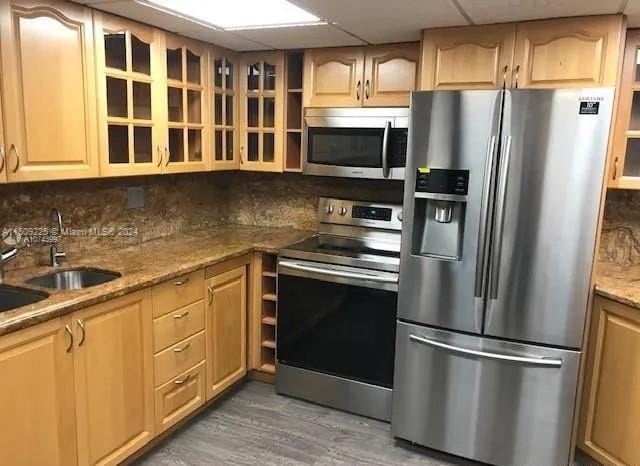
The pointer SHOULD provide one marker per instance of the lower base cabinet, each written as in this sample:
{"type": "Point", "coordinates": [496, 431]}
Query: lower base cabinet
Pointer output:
{"type": "Point", "coordinates": [226, 325]}
{"type": "Point", "coordinates": [114, 378]}
{"type": "Point", "coordinates": [180, 397]}
{"type": "Point", "coordinates": [609, 429]}
{"type": "Point", "coordinates": [36, 397]}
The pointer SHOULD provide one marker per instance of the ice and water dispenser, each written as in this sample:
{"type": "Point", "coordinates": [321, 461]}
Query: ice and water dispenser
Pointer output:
{"type": "Point", "coordinates": [439, 213]}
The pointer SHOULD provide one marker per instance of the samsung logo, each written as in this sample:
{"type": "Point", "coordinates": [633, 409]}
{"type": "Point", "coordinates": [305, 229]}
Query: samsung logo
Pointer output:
{"type": "Point", "coordinates": [591, 99]}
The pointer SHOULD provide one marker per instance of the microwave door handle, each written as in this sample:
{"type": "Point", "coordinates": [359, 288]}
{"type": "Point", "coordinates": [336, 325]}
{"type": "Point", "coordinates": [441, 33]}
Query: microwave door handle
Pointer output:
{"type": "Point", "coordinates": [385, 149]}
{"type": "Point", "coordinates": [499, 219]}
{"type": "Point", "coordinates": [337, 273]}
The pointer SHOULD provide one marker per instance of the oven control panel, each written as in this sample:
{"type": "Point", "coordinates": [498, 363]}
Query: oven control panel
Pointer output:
{"type": "Point", "coordinates": [359, 213]}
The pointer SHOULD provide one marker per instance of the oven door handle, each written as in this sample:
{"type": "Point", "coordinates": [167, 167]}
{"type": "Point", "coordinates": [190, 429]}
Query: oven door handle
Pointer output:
{"type": "Point", "coordinates": [338, 273]}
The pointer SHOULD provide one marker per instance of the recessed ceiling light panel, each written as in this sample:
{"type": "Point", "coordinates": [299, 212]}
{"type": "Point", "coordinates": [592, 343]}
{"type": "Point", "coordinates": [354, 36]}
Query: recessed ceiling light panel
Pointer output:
{"type": "Point", "coordinates": [237, 14]}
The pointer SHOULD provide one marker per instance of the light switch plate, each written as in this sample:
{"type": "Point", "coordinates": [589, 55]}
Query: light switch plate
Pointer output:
{"type": "Point", "coordinates": [135, 197]}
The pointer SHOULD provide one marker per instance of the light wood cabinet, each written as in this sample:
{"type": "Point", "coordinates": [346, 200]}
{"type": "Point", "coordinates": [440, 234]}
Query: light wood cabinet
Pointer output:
{"type": "Point", "coordinates": [37, 397]}
{"type": "Point", "coordinates": [48, 81]}
{"type": "Point", "coordinates": [131, 95]}
{"type": "Point", "coordinates": [262, 112]}
{"type": "Point", "coordinates": [224, 104]}
{"type": "Point", "coordinates": [187, 111]}
{"type": "Point", "coordinates": [333, 77]}
{"type": "Point", "coordinates": [474, 57]}
{"type": "Point", "coordinates": [226, 329]}
{"type": "Point", "coordinates": [179, 397]}
{"type": "Point", "coordinates": [625, 148]}
{"type": "Point", "coordinates": [390, 74]}
{"type": "Point", "coordinates": [361, 76]}
{"type": "Point", "coordinates": [3, 158]}
{"type": "Point", "coordinates": [113, 373]}
{"type": "Point", "coordinates": [568, 52]}
{"type": "Point", "coordinates": [609, 430]}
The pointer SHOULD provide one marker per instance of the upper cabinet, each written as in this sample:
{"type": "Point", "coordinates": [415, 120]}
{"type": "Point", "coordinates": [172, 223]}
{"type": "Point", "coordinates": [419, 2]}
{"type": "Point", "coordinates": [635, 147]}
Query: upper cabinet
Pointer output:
{"type": "Point", "coordinates": [131, 113]}
{"type": "Point", "coordinates": [624, 171]}
{"type": "Point", "coordinates": [48, 84]}
{"type": "Point", "coordinates": [3, 158]}
{"type": "Point", "coordinates": [224, 87]}
{"type": "Point", "coordinates": [262, 111]}
{"type": "Point", "coordinates": [358, 76]}
{"type": "Point", "coordinates": [570, 52]}
{"type": "Point", "coordinates": [187, 111]}
{"type": "Point", "coordinates": [560, 53]}
{"type": "Point", "coordinates": [474, 57]}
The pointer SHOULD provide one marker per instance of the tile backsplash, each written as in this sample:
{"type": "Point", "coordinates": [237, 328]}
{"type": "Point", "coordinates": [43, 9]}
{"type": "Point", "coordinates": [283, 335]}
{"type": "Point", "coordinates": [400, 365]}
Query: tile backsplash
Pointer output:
{"type": "Point", "coordinates": [173, 204]}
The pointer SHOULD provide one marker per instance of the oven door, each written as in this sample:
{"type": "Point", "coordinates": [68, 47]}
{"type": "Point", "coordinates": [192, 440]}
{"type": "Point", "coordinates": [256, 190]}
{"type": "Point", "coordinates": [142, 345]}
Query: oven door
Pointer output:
{"type": "Point", "coordinates": [337, 320]}
{"type": "Point", "coordinates": [366, 148]}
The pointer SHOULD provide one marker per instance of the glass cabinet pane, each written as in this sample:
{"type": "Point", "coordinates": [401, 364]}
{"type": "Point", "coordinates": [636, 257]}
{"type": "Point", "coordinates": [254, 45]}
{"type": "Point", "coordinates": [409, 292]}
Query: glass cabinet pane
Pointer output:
{"type": "Point", "coordinates": [253, 77]}
{"type": "Point", "coordinates": [115, 50]}
{"type": "Point", "coordinates": [176, 145]}
{"type": "Point", "coordinates": [174, 101]}
{"type": "Point", "coordinates": [142, 144]}
{"type": "Point", "coordinates": [229, 144]}
{"type": "Point", "coordinates": [632, 158]}
{"type": "Point", "coordinates": [116, 97]}
{"type": "Point", "coordinates": [118, 144]}
{"type": "Point", "coordinates": [268, 141]}
{"type": "Point", "coordinates": [140, 56]}
{"type": "Point", "coordinates": [193, 106]}
{"type": "Point", "coordinates": [637, 78]}
{"type": "Point", "coordinates": [217, 73]}
{"type": "Point", "coordinates": [218, 143]}
{"type": "Point", "coordinates": [252, 112]}
{"type": "Point", "coordinates": [634, 122]}
{"type": "Point", "coordinates": [194, 145]}
{"type": "Point", "coordinates": [229, 110]}
{"type": "Point", "coordinates": [269, 112]}
{"type": "Point", "coordinates": [193, 68]}
{"type": "Point", "coordinates": [174, 64]}
{"type": "Point", "coordinates": [252, 147]}
{"type": "Point", "coordinates": [141, 101]}
{"type": "Point", "coordinates": [217, 111]}
{"type": "Point", "coordinates": [229, 75]}
{"type": "Point", "coordinates": [269, 77]}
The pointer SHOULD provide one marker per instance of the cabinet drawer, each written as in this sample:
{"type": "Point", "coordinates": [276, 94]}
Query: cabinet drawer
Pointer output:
{"type": "Point", "coordinates": [177, 293]}
{"type": "Point", "coordinates": [179, 397]}
{"type": "Point", "coordinates": [178, 358]}
{"type": "Point", "coordinates": [175, 326]}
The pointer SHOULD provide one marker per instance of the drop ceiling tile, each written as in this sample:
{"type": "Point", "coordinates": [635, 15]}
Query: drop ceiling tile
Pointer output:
{"type": "Point", "coordinates": [504, 11]}
{"type": "Point", "coordinates": [380, 21]}
{"type": "Point", "coordinates": [301, 37]}
{"type": "Point", "coordinates": [632, 11]}
{"type": "Point", "coordinates": [230, 40]}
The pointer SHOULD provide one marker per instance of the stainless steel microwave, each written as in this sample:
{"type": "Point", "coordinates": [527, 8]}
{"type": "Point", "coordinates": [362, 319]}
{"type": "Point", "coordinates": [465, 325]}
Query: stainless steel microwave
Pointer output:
{"type": "Point", "coordinates": [355, 142]}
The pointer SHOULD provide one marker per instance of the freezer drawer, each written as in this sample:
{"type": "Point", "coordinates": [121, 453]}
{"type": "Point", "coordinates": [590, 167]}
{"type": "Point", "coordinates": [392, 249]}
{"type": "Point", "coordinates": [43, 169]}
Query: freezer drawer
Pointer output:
{"type": "Point", "coordinates": [493, 401]}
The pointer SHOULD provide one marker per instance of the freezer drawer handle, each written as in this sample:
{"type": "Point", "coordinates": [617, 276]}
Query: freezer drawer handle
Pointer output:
{"type": "Point", "coordinates": [547, 362]}
{"type": "Point", "coordinates": [338, 273]}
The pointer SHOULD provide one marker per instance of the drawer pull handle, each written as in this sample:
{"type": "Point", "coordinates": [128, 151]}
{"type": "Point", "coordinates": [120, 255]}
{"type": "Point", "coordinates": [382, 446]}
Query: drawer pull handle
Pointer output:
{"type": "Point", "coordinates": [180, 382]}
{"type": "Point", "coordinates": [210, 290]}
{"type": "Point", "coordinates": [81, 325]}
{"type": "Point", "coordinates": [180, 316]}
{"type": "Point", "coordinates": [181, 282]}
{"type": "Point", "coordinates": [180, 350]}
{"type": "Point", "coordinates": [70, 333]}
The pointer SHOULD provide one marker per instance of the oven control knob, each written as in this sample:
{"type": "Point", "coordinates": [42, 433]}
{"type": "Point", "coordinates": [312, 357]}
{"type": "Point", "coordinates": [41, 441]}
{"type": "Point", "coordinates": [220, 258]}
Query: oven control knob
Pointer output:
{"type": "Point", "coordinates": [400, 216]}
{"type": "Point", "coordinates": [342, 211]}
{"type": "Point", "coordinates": [328, 209]}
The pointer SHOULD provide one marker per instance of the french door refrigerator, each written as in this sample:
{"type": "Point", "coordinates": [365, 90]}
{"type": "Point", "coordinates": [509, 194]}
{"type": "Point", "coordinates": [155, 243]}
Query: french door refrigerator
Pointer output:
{"type": "Point", "coordinates": [501, 203]}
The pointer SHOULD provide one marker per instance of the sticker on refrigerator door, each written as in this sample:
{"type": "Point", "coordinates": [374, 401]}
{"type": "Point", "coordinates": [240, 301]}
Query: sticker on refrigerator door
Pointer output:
{"type": "Point", "coordinates": [589, 108]}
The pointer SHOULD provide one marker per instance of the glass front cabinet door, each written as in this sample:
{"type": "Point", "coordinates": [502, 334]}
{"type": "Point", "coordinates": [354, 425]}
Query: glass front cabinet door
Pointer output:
{"type": "Point", "coordinates": [224, 77]}
{"type": "Point", "coordinates": [187, 145]}
{"type": "Point", "coordinates": [624, 168]}
{"type": "Point", "coordinates": [129, 92]}
{"type": "Point", "coordinates": [261, 147]}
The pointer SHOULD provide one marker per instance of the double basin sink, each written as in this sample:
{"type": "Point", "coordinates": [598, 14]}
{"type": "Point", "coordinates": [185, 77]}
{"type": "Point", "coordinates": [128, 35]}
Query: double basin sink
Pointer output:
{"type": "Point", "coordinates": [12, 297]}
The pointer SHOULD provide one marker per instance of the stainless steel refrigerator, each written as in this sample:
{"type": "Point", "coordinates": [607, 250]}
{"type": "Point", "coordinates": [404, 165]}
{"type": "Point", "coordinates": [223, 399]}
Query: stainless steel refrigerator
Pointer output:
{"type": "Point", "coordinates": [501, 203]}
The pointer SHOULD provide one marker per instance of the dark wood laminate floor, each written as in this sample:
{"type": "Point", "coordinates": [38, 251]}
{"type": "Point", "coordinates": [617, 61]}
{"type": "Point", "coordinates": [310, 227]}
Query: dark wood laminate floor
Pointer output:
{"type": "Point", "coordinates": [253, 425]}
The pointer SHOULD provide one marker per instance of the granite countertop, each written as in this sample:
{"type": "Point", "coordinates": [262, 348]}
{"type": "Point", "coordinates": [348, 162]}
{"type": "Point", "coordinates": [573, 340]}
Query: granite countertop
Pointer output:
{"type": "Point", "coordinates": [143, 265]}
{"type": "Point", "coordinates": [619, 282]}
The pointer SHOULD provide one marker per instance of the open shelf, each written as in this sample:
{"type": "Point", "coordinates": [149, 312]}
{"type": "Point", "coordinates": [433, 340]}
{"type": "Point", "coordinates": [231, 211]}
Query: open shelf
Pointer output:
{"type": "Point", "coordinates": [268, 314]}
{"type": "Point", "coordinates": [270, 297]}
{"type": "Point", "coordinates": [268, 320]}
{"type": "Point", "coordinates": [293, 160]}
{"type": "Point", "coordinates": [269, 344]}
{"type": "Point", "coordinates": [293, 113]}
{"type": "Point", "coordinates": [268, 367]}
{"type": "Point", "coordinates": [266, 273]}
{"type": "Point", "coordinates": [294, 70]}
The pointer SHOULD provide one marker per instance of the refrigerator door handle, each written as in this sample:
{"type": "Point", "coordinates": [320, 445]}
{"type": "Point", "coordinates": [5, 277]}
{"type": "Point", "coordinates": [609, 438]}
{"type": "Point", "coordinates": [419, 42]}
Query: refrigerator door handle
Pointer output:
{"type": "Point", "coordinates": [484, 214]}
{"type": "Point", "coordinates": [499, 219]}
{"type": "Point", "coordinates": [534, 360]}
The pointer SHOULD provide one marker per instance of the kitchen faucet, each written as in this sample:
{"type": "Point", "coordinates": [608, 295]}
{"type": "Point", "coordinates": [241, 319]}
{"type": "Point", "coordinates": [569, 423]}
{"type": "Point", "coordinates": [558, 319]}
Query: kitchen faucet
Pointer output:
{"type": "Point", "coordinates": [56, 224]}
{"type": "Point", "coordinates": [6, 256]}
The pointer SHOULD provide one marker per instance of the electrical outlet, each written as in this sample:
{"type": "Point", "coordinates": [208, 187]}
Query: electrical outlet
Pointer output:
{"type": "Point", "coordinates": [135, 197]}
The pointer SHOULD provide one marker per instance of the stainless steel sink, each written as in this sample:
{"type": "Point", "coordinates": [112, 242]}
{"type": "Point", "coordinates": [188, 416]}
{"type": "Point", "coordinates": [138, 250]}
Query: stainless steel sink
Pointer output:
{"type": "Point", "coordinates": [12, 297]}
{"type": "Point", "coordinates": [74, 279]}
